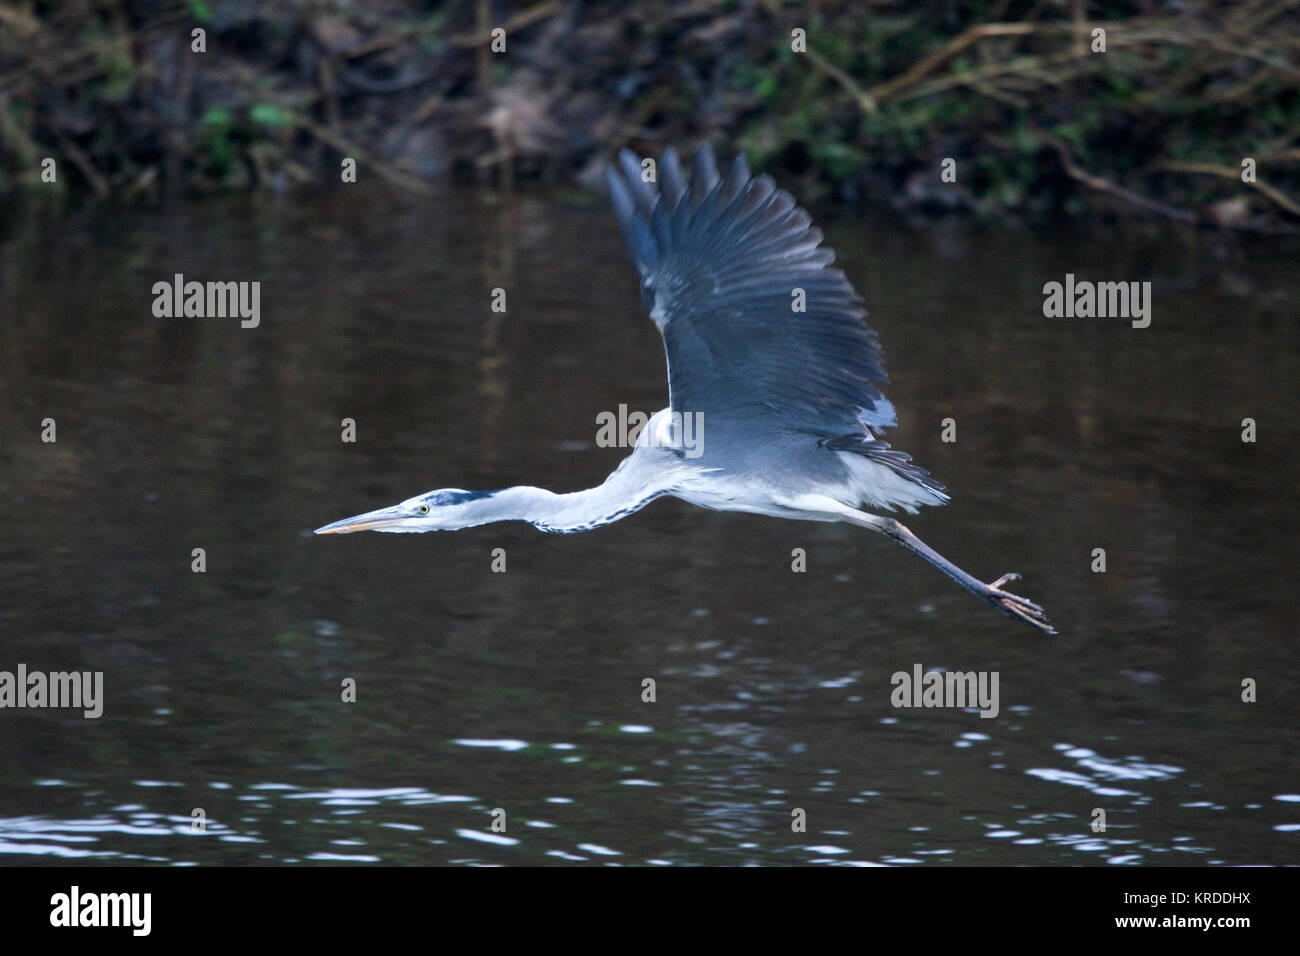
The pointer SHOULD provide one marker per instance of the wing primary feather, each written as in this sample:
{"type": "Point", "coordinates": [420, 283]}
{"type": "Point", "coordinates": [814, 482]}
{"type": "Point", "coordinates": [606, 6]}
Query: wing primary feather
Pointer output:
{"type": "Point", "coordinates": [640, 241]}
{"type": "Point", "coordinates": [737, 176]}
{"type": "Point", "coordinates": [672, 182]}
{"type": "Point", "coordinates": [641, 190]}
{"type": "Point", "coordinates": [704, 176]}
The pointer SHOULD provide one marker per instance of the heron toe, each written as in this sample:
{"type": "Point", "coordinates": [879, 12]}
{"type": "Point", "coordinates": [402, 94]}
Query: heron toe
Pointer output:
{"type": "Point", "coordinates": [1015, 606]}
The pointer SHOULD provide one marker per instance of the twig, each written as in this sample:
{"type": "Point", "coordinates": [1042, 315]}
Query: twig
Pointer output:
{"type": "Point", "coordinates": [83, 163]}
{"type": "Point", "coordinates": [468, 41]}
{"type": "Point", "coordinates": [1227, 172]}
{"type": "Point", "coordinates": [843, 79]}
{"type": "Point", "coordinates": [348, 148]}
{"type": "Point", "coordinates": [427, 109]}
{"type": "Point", "coordinates": [954, 46]}
{"type": "Point", "coordinates": [1039, 67]}
{"type": "Point", "coordinates": [1106, 186]}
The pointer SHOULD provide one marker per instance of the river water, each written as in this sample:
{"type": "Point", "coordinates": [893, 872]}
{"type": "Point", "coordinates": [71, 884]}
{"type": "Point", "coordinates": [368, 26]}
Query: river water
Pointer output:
{"type": "Point", "coordinates": [518, 696]}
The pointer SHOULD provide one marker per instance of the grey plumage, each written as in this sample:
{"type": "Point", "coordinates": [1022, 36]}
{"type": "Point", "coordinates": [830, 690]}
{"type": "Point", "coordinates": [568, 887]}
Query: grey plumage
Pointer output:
{"type": "Point", "coordinates": [719, 262]}
{"type": "Point", "coordinates": [787, 399]}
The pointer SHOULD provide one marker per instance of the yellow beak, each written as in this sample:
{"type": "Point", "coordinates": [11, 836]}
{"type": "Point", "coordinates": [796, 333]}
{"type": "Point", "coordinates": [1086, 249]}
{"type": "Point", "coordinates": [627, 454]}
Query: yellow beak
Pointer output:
{"type": "Point", "coordinates": [370, 521]}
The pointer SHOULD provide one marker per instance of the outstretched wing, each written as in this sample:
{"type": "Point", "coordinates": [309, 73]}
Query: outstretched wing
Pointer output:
{"type": "Point", "coordinates": [726, 263]}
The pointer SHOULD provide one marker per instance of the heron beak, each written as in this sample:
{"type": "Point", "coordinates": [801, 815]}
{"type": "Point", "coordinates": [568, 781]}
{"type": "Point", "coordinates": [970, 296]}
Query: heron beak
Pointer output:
{"type": "Point", "coordinates": [370, 521]}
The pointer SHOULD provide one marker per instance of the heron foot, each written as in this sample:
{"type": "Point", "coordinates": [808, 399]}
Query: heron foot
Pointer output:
{"type": "Point", "coordinates": [1015, 606]}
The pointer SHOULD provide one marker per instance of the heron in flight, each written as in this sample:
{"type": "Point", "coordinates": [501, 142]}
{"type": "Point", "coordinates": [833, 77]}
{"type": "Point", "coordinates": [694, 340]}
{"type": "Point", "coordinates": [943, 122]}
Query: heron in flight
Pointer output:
{"type": "Point", "coordinates": [789, 413]}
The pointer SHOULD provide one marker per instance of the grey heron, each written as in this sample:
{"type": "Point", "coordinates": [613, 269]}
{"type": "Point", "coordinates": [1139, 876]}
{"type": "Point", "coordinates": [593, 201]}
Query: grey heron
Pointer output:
{"type": "Point", "coordinates": [791, 418]}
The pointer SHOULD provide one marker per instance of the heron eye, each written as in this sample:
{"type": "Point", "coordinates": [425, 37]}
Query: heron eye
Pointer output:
{"type": "Point", "coordinates": [424, 509]}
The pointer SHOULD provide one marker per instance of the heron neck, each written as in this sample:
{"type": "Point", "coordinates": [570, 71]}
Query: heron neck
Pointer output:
{"type": "Point", "coordinates": [622, 493]}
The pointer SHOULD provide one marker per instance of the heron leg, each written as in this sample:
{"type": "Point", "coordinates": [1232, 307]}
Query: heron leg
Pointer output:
{"type": "Point", "coordinates": [1012, 605]}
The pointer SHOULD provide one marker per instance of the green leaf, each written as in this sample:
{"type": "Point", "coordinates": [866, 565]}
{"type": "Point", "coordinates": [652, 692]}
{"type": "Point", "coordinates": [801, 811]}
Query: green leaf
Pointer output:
{"type": "Point", "coordinates": [268, 114]}
{"type": "Point", "coordinates": [216, 116]}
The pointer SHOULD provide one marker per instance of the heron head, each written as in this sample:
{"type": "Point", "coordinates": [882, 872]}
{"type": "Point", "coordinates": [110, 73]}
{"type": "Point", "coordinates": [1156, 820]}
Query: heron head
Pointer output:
{"type": "Point", "coordinates": [442, 510]}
